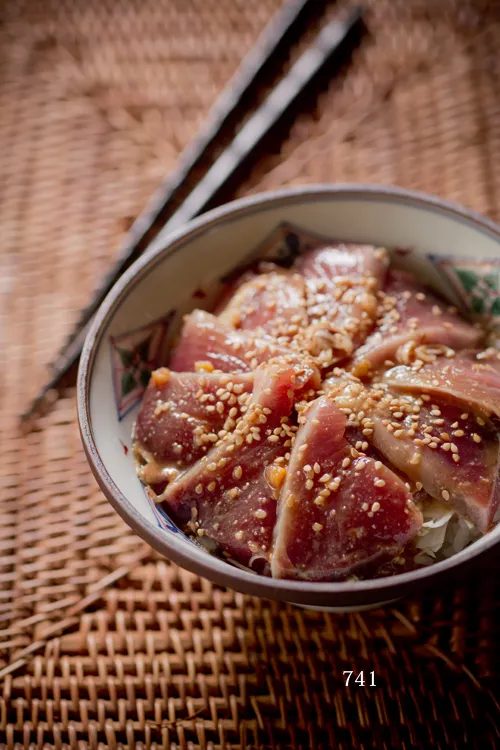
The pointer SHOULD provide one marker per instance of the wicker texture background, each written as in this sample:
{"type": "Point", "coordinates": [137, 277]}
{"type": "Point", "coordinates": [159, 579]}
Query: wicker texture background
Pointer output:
{"type": "Point", "coordinates": [102, 643]}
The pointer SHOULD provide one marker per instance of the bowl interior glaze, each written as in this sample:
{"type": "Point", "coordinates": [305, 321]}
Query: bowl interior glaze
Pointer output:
{"type": "Point", "coordinates": [450, 248]}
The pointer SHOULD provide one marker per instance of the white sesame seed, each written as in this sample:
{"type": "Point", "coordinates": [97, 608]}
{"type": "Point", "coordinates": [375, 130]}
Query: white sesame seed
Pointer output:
{"type": "Point", "coordinates": [317, 526]}
{"type": "Point", "coordinates": [445, 494]}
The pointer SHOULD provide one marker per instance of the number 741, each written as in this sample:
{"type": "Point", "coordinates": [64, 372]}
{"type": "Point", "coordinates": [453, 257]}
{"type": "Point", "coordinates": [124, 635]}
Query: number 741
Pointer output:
{"type": "Point", "coordinates": [360, 679]}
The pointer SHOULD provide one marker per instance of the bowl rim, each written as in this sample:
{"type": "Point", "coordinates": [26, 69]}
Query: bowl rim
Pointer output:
{"type": "Point", "coordinates": [212, 567]}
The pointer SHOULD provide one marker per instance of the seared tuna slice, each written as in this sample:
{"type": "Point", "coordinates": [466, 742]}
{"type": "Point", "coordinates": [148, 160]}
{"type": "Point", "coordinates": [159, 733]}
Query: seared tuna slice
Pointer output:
{"type": "Point", "coordinates": [471, 378]}
{"type": "Point", "coordinates": [273, 302]}
{"type": "Point", "coordinates": [346, 259]}
{"type": "Point", "coordinates": [207, 344]}
{"type": "Point", "coordinates": [453, 455]}
{"type": "Point", "coordinates": [410, 315]}
{"type": "Point", "coordinates": [340, 512]}
{"type": "Point", "coordinates": [182, 415]}
{"type": "Point", "coordinates": [230, 495]}
{"type": "Point", "coordinates": [341, 283]}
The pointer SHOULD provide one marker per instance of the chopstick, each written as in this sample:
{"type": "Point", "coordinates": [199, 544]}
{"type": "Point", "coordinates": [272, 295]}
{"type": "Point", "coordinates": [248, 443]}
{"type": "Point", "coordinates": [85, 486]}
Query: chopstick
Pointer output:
{"type": "Point", "coordinates": [284, 29]}
{"type": "Point", "coordinates": [332, 45]}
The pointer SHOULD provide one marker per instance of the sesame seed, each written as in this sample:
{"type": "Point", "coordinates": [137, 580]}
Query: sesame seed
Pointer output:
{"type": "Point", "coordinates": [375, 507]}
{"type": "Point", "coordinates": [260, 513]}
{"type": "Point", "coordinates": [317, 526]}
{"type": "Point", "coordinates": [237, 473]}
{"type": "Point", "coordinates": [445, 494]}
{"type": "Point", "coordinates": [239, 535]}
{"type": "Point", "coordinates": [309, 484]}
{"type": "Point", "coordinates": [480, 421]}
{"type": "Point", "coordinates": [476, 438]}
{"type": "Point", "coordinates": [379, 482]}
{"type": "Point", "coordinates": [198, 489]}
{"type": "Point", "coordinates": [273, 439]}
{"type": "Point", "coordinates": [346, 462]}
{"type": "Point", "coordinates": [458, 433]}
{"type": "Point", "coordinates": [319, 500]}
{"type": "Point", "coordinates": [464, 416]}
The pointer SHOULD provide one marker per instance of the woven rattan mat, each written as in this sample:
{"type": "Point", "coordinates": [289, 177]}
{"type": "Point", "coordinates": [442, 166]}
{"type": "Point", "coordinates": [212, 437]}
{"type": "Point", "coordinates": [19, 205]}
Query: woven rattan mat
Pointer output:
{"type": "Point", "coordinates": [104, 644]}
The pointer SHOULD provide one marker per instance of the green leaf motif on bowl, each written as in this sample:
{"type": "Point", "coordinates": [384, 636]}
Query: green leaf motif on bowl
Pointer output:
{"type": "Point", "coordinates": [476, 282]}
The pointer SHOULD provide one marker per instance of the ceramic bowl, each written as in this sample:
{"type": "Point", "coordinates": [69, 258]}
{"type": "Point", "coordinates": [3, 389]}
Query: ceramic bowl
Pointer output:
{"type": "Point", "coordinates": [453, 249]}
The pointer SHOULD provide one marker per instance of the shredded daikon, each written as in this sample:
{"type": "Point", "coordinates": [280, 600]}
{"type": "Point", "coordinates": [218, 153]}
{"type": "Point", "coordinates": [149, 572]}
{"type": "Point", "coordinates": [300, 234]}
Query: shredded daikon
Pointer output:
{"type": "Point", "coordinates": [443, 533]}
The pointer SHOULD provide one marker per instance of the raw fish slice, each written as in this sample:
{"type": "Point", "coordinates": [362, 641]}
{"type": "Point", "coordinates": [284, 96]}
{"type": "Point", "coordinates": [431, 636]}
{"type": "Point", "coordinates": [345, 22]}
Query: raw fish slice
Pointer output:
{"type": "Point", "coordinates": [339, 512]}
{"type": "Point", "coordinates": [208, 344]}
{"type": "Point", "coordinates": [451, 454]}
{"type": "Point", "coordinates": [230, 495]}
{"type": "Point", "coordinates": [410, 315]}
{"type": "Point", "coordinates": [346, 259]}
{"type": "Point", "coordinates": [471, 378]}
{"type": "Point", "coordinates": [342, 283]}
{"type": "Point", "coordinates": [273, 302]}
{"type": "Point", "coordinates": [181, 416]}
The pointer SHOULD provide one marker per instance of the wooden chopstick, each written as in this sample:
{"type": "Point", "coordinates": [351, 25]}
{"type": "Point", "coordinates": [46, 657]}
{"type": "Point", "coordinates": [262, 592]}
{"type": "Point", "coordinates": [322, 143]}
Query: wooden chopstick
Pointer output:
{"type": "Point", "coordinates": [332, 46]}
